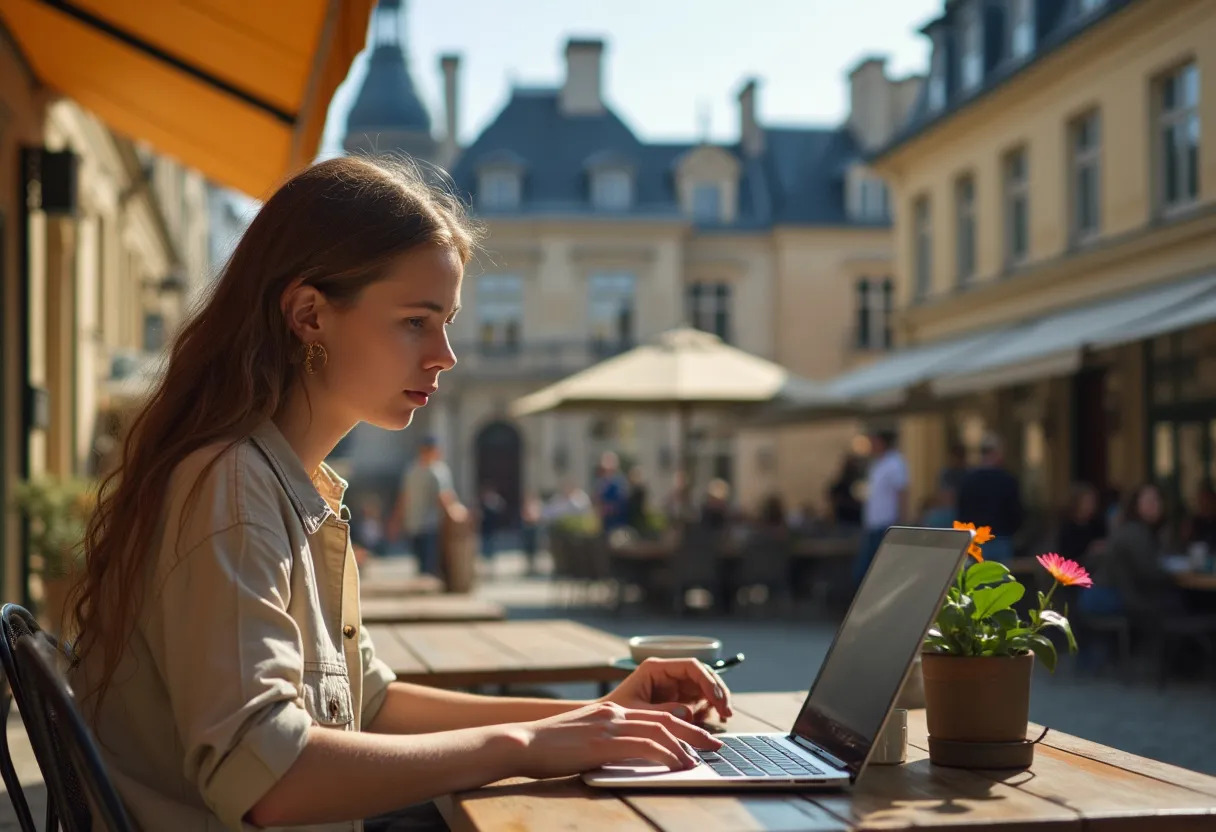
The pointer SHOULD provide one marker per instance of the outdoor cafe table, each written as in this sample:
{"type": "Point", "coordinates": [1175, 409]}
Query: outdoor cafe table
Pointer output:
{"type": "Point", "coordinates": [500, 653]}
{"type": "Point", "coordinates": [430, 608]}
{"type": "Point", "coordinates": [1074, 784]}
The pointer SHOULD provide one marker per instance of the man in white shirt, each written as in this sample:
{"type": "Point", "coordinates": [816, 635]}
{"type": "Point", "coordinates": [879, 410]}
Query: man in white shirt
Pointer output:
{"type": "Point", "coordinates": [886, 498]}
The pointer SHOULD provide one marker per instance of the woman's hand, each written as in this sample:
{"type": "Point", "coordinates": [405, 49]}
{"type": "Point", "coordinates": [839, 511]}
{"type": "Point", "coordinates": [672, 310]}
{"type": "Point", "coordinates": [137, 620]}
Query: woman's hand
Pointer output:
{"type": "Point", "coordinates": [684, 687]}
{"type": "Point", "coordinates": [605, 733]}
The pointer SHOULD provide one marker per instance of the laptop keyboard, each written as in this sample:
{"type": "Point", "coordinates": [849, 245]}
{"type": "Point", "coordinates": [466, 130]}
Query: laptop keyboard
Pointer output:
{"type": "Point", "coordinates": [756, 756]}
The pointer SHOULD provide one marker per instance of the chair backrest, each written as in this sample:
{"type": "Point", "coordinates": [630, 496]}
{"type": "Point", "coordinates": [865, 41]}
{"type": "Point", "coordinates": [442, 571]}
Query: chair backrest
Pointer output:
{"type": "Point", "coordinates": [16, 622]}
{"type": "Point", "coordinates": [8, 771]}
{"type": "Point", "coordinates": [78, 781]}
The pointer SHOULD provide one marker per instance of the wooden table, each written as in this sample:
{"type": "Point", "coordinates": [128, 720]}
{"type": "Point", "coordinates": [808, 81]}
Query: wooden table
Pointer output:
{"type": "Point", "coordinates": [430, 608]}
{"type": "Point", "coordinates": [1200, 581]}
{"type": "Point", "coordinates": [500, 653]}
{"type": "Point", "coordinates": [1074, 785]}
{"type": "Point", "coordinates": [399, 587]}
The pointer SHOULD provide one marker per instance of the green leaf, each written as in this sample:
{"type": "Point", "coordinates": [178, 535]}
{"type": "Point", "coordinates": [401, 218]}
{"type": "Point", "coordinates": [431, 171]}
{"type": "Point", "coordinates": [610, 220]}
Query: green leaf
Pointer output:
{"type": "Point", "coordinates": [1005, 619]}
{"type": "Point", "coordinates": [993, 599]}
{"type": "Point", "coordinates": [1051, 618]}
{"type": "Point", "coordinates": [1042, 599]}
{"type": "Point", "coordinates": [988, 572]}
{"type": "Point", "coordinates": [1043, 648]}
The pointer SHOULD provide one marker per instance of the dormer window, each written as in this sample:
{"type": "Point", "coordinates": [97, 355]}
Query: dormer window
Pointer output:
{"type": "Point", "coordinates": [1021, 28]}
{"type": "Point", "coordinates": [611, 189]}
{"type": "Point", "coordinates": [867, 196]}
{"type": "Point", "coordinates": [499, 189]}
{"type": "Point", "coordinates": [707, 202]}
{"type": "Point", "coordinates": [707, 181]}
{"type": "Point", "coordinates": [937, 75]}
{"type": "Point", "coordinates": [972, 36]}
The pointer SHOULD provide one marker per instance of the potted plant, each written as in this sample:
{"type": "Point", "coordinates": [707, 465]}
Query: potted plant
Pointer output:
{"type": "Point", "coordinates": [58, 510]}
{"type": "Point", "coordinates": [978, 657]}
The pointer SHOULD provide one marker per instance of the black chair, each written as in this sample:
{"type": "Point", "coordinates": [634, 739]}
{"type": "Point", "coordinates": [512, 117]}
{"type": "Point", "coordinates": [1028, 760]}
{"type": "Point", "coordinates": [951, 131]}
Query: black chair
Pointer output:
{"type": "Point", "coordinates": [16, 622]}
{"type": "Point", "coordinates": [78, 780]}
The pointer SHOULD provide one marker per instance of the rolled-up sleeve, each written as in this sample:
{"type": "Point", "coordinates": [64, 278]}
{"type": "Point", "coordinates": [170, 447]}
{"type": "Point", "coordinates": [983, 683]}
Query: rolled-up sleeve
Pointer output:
{"type": "Point", "coordinates": [377, 676]}
{"type": "Point", "coordinates": [233, 666]}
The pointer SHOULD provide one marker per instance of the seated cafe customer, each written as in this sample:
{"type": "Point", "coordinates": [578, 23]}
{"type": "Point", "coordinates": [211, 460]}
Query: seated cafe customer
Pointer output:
{"type": "Point", "coordinates": [1083, 526]}
{"type": "Point", "coordinates": [220, 656]}
{"type": "Point", "coordinates": [988, 495]}
{"type": "Point", "coordinates": [1128, 576]}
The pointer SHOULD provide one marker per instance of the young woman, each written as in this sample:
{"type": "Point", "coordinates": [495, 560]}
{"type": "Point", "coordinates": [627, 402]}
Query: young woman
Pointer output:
{"type": "Point", "coordinates": [221, 658]}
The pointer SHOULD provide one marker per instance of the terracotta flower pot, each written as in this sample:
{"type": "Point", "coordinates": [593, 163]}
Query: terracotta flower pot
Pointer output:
{"type": "Point", "coordinates": [977, 698]}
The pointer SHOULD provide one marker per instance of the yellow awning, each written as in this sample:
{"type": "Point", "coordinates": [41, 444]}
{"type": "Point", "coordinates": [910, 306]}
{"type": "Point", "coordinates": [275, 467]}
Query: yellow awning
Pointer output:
{"type": "Point", "coordinates": [238, 89]}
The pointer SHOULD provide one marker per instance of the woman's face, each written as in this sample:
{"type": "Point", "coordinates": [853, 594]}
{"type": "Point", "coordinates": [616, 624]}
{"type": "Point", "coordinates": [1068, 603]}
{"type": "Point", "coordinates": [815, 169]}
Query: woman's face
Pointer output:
{"type": "Point", "coordinates": [1148, 505]}
{"type": "Point", "coordinates": [387, 350]}
{"type": "Point", "coordinates": [1087, 505]}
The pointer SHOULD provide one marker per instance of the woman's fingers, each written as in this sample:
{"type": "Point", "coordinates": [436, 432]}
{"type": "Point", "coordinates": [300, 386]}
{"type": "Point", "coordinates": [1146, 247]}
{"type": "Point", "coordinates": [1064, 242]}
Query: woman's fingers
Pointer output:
{"type": "Point", "coordinates": [633, 748]}
{"type": "Point", "coordinates": [659, 734]}
{"type": "Point", "coordinates": [697, 737]}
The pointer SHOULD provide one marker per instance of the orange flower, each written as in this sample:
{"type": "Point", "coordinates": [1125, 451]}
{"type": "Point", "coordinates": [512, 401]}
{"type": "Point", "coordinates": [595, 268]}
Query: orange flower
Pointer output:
{"type": "Point", "coordinates": [982, 535]}
{"type": "Point", "coordinates": [1067, 572]}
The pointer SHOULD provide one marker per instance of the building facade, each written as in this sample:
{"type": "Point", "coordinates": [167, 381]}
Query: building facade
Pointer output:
{"type": "Point", "coordinates": [1055, 197]}
{"type": "Point", "coordinates": [599, 240]}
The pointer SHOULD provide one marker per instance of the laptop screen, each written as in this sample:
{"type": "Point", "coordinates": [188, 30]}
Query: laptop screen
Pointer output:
{"type": "Point", "coordinates": [879, 638]}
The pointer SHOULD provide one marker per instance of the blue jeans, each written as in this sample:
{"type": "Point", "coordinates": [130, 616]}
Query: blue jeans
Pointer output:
{"type": "Point", "coordinates": [999, 549]}
{"type": "Point", "coordinates": [870, 541]}
{"type": "Point", "coordinates": [425, 546]}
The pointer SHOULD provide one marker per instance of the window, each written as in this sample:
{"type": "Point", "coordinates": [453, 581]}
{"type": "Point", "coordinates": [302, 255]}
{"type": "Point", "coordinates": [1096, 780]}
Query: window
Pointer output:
{"type": "Point", "coordinates": [875, 303]}
{"type": "Point", "coordinates": [707, 202]}
{"type": "Point", "coordinates": [500, 190]}
{"type": "Point", "coordinates": [154, 332]}
{"type": "Point", "coordinates": [610, 311]}
{"type": "Point", "coordinates": [1022, 28]}
{"type": "Point", "coordinates": [1086, 141]}
{"type": "Point", "coordinates": [709, 308]}
{"type": "Point", "coordinates": [937, 78]}
{"type": "Point", "coordinates": [964, 228]}
{"type": "Point", "coordinates": [923, 247]}
{"type": "Point", "coordinates": [1178, 136]}
{"type": "Point", "coordinates": [500, 313]}
{"type": "Point", "coordinates": [611, 190]}
{"type": "Point", "coordinates": [1017, 207]}
{"type": "Point", "coordinates": [870, 199]}
{"type": "Point", "coordinates": [973, 48]}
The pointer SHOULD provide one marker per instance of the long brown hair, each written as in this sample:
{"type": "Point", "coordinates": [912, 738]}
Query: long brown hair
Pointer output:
{"type": "Point", "coordinates": [336, 226]}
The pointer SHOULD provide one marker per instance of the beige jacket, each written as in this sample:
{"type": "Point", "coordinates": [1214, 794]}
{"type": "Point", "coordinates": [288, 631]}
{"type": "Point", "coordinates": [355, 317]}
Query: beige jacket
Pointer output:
{"type": "Point", "coordinates": [249, 635]}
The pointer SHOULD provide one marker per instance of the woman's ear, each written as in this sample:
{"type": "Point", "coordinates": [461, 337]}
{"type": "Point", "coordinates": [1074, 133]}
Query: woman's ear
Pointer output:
{"type": "Point", "coordinates": [300, 305]}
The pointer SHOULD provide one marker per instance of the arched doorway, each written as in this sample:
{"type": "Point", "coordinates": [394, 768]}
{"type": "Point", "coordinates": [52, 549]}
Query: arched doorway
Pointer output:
{"type": "Point", "coordinates": [500, 463]}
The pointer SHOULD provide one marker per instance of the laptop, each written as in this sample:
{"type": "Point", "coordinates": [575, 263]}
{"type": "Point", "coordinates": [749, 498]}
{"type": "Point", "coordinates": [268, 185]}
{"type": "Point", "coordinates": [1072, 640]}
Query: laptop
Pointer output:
{"type": "Point", "coordinates": [849, 702]}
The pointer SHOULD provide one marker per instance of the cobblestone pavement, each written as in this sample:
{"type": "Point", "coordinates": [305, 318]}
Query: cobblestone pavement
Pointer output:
{"type": "Point", "coordinates": [1175, 724]}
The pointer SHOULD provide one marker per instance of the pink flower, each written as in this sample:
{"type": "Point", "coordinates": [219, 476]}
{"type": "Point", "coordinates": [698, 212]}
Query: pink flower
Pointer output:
{"type": "Point", "coordinates": [1067, 572]}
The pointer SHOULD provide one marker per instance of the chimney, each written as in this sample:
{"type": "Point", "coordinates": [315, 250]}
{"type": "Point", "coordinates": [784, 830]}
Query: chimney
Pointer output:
{"type": "Point", "coordinates": [751, 136]}
{"type": "Point", "coordinates": [582, 94]}
{"type": "Point", "coordinates": [450, 65]}
{"type": "Point", "coordinates": [871, 104]}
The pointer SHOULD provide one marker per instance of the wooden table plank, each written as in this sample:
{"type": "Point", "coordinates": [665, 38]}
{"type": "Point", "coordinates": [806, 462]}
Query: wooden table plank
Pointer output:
{"type": "Point", "coordinates": [1193, 780]}
{"type": "Point", "coordinates": [393, 651]}
{"type": "Point", "coordinates": [522, 805]}
{"type": "Point", "coordinates": [398, 587]}
{"type": "Point", "coordinates": [430, 608]}
{"type": "Point", "coordinates": [509, 652]}
{"type": "Point", "coordinates": [1198, 581]}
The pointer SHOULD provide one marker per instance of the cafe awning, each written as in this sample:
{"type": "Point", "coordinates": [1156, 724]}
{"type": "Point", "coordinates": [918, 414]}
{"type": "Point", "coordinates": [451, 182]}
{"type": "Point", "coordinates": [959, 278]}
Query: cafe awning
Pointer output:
{"type": "Point", "coordinates": [1053, 345]}
{"type": "Point", "coordinates": [237, 89]}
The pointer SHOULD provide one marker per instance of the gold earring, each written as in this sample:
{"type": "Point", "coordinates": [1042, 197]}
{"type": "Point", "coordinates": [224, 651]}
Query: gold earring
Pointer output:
{"type": "Point", "coordinates": [314, 350]}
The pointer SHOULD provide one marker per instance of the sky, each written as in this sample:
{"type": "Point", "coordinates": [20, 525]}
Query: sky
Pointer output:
{"type": "Point", "coordinates": [672, 68]}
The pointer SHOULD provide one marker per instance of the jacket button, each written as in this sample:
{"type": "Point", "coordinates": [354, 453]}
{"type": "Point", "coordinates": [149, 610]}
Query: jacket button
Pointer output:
{"type": "Point", "coordinates": [333, 708]}
{"type": "Point", "coordinates": [349, 631]}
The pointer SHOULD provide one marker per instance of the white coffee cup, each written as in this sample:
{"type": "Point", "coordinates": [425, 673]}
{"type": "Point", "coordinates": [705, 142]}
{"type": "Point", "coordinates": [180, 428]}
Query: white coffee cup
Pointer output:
{"type": "Point", "coordinates": [891, 746]}
{"type": "Point", "coordinates": [674, 647]}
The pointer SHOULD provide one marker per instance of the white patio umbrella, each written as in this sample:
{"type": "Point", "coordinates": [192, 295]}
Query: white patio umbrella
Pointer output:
{"type": "Point", "coordinates": [682, 370]}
